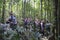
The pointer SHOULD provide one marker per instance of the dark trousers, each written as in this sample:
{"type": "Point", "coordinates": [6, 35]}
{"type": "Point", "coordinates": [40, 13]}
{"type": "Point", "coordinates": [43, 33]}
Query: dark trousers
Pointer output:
{"type": "Point", "coordinates": [13, 26]}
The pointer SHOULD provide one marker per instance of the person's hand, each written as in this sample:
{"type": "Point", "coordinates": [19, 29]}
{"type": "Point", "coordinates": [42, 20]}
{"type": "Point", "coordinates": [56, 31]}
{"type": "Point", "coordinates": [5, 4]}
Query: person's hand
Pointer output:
{"type": "Point", "coordinates": [11, 22]}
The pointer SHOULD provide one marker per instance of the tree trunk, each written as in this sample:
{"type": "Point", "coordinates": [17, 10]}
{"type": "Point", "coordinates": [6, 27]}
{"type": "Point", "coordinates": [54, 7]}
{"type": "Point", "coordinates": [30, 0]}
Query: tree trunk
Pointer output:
{"type": "Point", "coordinates": [56, 19]}
{"type": "Point", "coordinates": [3, 12]}
{"type": "Point", "coordinates": [23, 8]}
{"type": "Point", "coordinates": [56, 14]}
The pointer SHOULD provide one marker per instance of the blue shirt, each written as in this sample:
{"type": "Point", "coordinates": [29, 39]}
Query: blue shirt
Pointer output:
{"type": "Point", "coordinates": [13, 18]}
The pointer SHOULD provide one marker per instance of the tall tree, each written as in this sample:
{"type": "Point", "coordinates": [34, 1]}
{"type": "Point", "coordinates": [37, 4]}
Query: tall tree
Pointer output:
{"type": "Point", "coordinates": [56, 17]}
{"type": "Point", "coordinates": [3, 11]}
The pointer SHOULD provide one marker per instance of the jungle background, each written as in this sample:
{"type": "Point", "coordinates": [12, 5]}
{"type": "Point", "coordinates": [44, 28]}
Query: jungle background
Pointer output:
{"type": "Point", "coordinates": [42, 9]}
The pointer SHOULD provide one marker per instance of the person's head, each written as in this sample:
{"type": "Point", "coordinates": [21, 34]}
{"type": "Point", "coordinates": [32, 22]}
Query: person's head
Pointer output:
{"type": "Point", "coordinates": [11, 13]}
{"type": "Point", "coordinates": [47, 21]}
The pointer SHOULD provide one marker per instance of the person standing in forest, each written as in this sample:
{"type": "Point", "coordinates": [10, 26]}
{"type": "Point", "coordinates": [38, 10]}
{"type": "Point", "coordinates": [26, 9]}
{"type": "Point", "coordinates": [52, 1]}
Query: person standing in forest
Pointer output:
{"type": "Point", "coordinates": [42, 26]}
{"type": "Point", "coordinates": [48, 27]}
{"type": "Point", "coordinates": [12, 21]}
{"type": "Point", "coordinates": [25, 23]}
{"type": "Point", "coordinates": [37, 23]}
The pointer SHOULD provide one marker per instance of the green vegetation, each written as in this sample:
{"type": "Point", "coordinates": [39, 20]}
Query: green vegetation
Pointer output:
{"type": "Point", "coordinates": [42, 9]}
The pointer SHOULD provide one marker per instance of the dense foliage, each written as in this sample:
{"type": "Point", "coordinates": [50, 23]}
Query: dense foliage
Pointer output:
{"type": "Point", "coordinates": [41, 9]}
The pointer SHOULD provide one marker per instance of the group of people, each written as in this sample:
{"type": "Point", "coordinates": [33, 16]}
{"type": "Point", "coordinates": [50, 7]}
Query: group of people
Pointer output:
{"type": "Point", "coordinates": [29, 23]}
{"type": "Point", "coordinates": [42, 24]}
